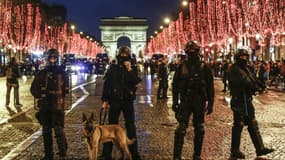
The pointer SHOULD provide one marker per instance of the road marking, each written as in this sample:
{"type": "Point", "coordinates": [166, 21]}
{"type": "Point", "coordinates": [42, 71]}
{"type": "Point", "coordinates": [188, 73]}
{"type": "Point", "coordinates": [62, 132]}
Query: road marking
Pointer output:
{"type": "Point", "coordinates": [81, 99]}
{"type": "Point", "coordinates": [5, 120]}
{"type": "Point", "coordinates": [23, 145]}
{"type": "Point", "coordinates": [30, 140]}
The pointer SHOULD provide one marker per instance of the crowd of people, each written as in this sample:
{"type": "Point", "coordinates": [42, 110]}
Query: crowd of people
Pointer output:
{"type": "Point", "coordinates": [193, 93]}
{"type": "Point", "coordinates": [270, 74]}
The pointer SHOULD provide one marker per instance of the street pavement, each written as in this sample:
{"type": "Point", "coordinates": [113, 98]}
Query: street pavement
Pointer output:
{"type": "Point", "coordinates": [25, 98]}
{"type": "Point", "coordinates": [155, 126]}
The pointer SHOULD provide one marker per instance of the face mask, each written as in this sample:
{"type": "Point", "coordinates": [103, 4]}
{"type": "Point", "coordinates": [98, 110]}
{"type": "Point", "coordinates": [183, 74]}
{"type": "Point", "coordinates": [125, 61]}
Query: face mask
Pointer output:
{"type": "Point", "coordinates": [241, 62]}
{"type": "Point", "coordinates": [52, 60]}
{"type": "Point", "coordinates": [193, 57]}
{"type": "Point", "coordinates": [122, 59]}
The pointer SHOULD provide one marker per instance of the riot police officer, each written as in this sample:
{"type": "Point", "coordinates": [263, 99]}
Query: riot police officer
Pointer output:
{"type": "Point", "coordinates": [163, 79]}
{"type": "Point", "coordinates": [243, 85]}
{"type": "Point", "coordinates": [50, 86]}
{"type": "Point", "coordinates": [119, 92]}
{"type": "Point", "coordinates": [193, 87]}
{"type": "Point", "coordinates": [12, 74]}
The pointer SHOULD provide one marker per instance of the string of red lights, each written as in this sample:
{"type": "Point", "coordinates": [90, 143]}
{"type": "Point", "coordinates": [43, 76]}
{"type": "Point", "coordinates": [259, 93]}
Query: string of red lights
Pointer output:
{"type": "Point", "coordinates": [215, 22]}
{"type": "Point", "coordinates": [23, 28]}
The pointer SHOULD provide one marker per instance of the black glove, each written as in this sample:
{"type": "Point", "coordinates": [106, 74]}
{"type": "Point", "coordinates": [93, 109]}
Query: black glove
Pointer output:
{"type": "Point", "coordinates": [209, 108]}
{"type": "Point", "coordinates": [174, 107]}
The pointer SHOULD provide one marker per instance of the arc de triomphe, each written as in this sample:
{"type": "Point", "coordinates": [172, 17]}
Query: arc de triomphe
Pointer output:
{"type": "Point", "coordinates": [114, 28]}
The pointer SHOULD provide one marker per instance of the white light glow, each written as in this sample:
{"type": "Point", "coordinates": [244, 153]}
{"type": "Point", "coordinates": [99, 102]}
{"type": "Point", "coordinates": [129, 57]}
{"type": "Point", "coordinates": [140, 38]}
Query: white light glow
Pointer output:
{"type": "Point", "coordinates": [166, 20]}
{"type": "Point", "coordinates": [38, 52]}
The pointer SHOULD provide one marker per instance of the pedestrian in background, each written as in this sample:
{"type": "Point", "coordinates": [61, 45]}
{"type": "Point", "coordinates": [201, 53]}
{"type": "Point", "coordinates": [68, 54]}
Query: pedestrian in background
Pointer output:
{"type": "Point", "coordinates": [262, 73]}
{"type": "Point", "coordinates": [243, 85]}
{"type": "Point", "coordinates": [119, 93]}
{"type": "Point", "coordinates": [163, 79]}
{"type": "Point", "coordinates": [225, 68]}
{"type": "Point", "coordinates": [193, 87]}
{"type": "Point", "coordinates": [50, 86]}
{"type": "Point", "coordinates": [12, 74]}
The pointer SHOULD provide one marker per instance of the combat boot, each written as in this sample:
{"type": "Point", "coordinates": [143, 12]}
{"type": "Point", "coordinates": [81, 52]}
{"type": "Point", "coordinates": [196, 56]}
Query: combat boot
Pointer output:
{"type": "Point", "coordinates": [198, 140]}
{"type": "Point", "coordinates": [237, 155]}
{"type": "Point", "coordinates": [48, 144]}
{"type": "Point", "coordinates": [197, 158]}
{"type": "Point", "coordinates": [61, 142]}
{"type": "Point", "coordinates": [257, 141]}
{"type": "Point", "coordinates": [235, 143]}
{"type": "Point", "coordinates": [178, 144]}
{"type": "Point", "coordinates": [264, 151]}
{"type": "Point", "coordinates": [47, 157]}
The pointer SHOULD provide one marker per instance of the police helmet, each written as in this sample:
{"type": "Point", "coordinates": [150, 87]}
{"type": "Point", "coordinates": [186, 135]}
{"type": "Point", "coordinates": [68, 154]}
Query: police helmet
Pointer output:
{"type": "Point", "coordinates": [124, 50]}
{"type": "Point", "coordinates": [52, 53]}
{"type": "Point", "coordinates": [241, 52]}
{"type": "Point", "coordinates": [192, 47]}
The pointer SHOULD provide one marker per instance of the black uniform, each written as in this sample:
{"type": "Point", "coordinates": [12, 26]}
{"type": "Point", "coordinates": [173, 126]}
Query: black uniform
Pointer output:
{"type": "Point", "coordinates": [12, 74]}
{"type": "Point", "coordinates": [50, 86]}
{"type": "Point", "coordinates": [119, 91]}
{"type": "Point", "coordinates": [163, 81]}
{"type": "Point", "coordinates": [243, 85]}
{"type": "Point", "coordinates": [193, 86]}
{"type": "Point", "coordinates": [225, 75]}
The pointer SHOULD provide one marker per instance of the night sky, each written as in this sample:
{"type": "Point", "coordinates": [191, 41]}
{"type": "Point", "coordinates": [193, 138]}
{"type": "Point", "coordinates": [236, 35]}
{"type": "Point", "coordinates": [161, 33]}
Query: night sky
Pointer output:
{"type": "Point", "coordinates": [86, 14]}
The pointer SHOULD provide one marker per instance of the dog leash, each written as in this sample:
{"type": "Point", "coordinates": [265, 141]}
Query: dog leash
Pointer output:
{"type": "Point", "coordinates": [102, 111]}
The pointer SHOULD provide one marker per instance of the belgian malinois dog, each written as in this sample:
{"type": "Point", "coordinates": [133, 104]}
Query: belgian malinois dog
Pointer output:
{"type": "Point", "coordinates": [97, 134]}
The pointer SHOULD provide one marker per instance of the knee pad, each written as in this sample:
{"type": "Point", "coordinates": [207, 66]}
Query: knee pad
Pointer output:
{"type": "Point", "coordinates": [253, 123]}
{"type": "Point", "coordinates": [238, 124]}
{"type": "Point", "coordinates": [199, 129]}
{"type": "Point", "coordinates": [181, 129]}
{"type": "Point", "coordinates": [58, 131]}
{"type": "Point", "coordinates": [47, 130]}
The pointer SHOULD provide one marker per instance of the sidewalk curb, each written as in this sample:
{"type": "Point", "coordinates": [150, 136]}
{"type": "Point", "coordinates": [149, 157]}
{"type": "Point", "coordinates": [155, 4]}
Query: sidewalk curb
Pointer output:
{"type": "Point", "coordinates": [5, 121]}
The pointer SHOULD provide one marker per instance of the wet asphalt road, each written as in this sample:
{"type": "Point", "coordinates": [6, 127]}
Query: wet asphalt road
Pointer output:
{"type": "Point", "coordinates": [155, 126]}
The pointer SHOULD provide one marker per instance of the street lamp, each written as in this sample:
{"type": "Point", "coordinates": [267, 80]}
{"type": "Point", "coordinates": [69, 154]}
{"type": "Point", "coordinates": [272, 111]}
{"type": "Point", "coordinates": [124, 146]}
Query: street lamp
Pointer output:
{"type": "Point", "coordinates": [161, 27]}
{"type": "Point", "coordinates": [166, 20]}
{"type": "Point", "coordinates": [184, 3]}
{"type": "Point", "coordinates": [72, 27]}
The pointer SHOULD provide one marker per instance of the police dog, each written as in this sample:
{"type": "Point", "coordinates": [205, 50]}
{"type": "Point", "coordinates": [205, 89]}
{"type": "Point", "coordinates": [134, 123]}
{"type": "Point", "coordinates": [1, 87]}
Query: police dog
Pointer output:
{"type": "Point", "coordinates": [97, 134]}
